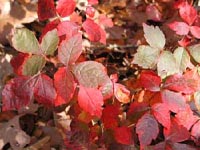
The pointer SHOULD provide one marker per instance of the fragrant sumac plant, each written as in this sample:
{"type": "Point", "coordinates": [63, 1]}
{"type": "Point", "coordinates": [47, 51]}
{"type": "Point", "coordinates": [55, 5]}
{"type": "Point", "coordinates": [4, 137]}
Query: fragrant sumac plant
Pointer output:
{"type": "Point", "coordinates": [157, 110]}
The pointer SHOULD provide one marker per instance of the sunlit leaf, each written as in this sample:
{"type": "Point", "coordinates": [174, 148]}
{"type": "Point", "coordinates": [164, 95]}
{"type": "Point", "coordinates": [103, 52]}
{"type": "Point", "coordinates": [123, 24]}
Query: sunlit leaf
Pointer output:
{"type": "Point", "coordinates": [174, 101]}
{"type": "Point", "coordinates": [67, 29]}
{"type": "Point", "coordinates": [92, 74]}
{"type": "Point", "coordinates": [187, 83]}
{"type": "Point", "coordinates": [195, 52]}
{"type": "Point", "coordinates": [195, 30]}
{"type": "Point", "coordinates": [65, 7]}
{"type": "Point", "coordinates": [167, 64]}
{"type": "Point", "coordinates": [186, 117]}
{"type": "Point", "coordinates": [162, 114]}
{"type": "Point", "coordinates": [90, 100]}
{"type": "Point", "coordinates": [25, 41]}
{"type": "Point", "coordinates": [92, 29]}
{"type": "Point", "coordinates": [146, 57]}
{"type": "Point", "coordinates": [181, 28]}
{"type": "Point", "coordinates": [121, 93]}
{"type": "Point", "coordinates": [154, 36]}
{"type": "Point", "coordinates": [150, 80]}
{"type": "Point", "coordinates": [70, 50]}
{"type": "Point", "coordinates": [182, 59]}
{"type": "Point", "coordinates": [50, 42]}
{"type": "Point", "coordinates": [188, 13]}
{"type": "Point", "coordinates": [197, 100]}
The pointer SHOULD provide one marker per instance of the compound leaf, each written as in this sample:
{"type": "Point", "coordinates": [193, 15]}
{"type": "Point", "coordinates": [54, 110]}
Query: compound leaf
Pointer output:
{"type": "Point", "coordinates": [65, 86]}
{"type": "Point", "coordinates": [65, 7]}
{"type": "Point", "coordinates": [70, 50]}
{"type": "Point", "coordinates": [33, 65]}
{"type": "Point", "coordinates": [147, 129]}
{"type": "Point", "coordinates": [90, 100]}
{"type": "Point", "coordinates": [154, 36]}
{"type": "Point", "coordinates": [44, 91]}
{"type": "Point", "coordinates": [50, 42]}
{"type": "Point", "coordinates": [25, 41]}
{"type": "Point", "coordinates": [146, 57]}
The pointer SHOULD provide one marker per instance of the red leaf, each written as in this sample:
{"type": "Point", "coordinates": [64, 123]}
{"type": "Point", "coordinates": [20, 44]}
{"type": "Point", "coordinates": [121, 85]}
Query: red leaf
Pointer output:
{"type": "Point", "coordinates": [150, 80]}
{"type": "Point", "coordinates": [68, 29]}
{"type": "Point", "coordinates": [153, 13]}
{"type": "Point", "coordinates": [114, 78]}
{"type": "Point", "coordinates": [162, 114]}
{"type": "Point", "coordinates": [46, 9]}
{"type": "Point", "coordinates": [147, 129]}
{"type": "Point", "coordinates": [159, 146]}
{"type": "Point", "coordinates": [180, 146]}
{"type": "Point", "coordinates": [168, 145]}
{"type": "Point", "coordinates": [195, 30]}
{"type": "Point", "coordinates": [110, 116]}
{"type": "Point", "coordinates": [174, 101]}
{"type": "Point", "coordinates": [185, 41]}
{"type": "Point", "coordinates": [92, 29]}
{"type": "Point", "coordinates": [196, 133]}
{"type": "Point", "coordinates": [137, 107]}
{"type": "Point", "coordinates": [17, 62]}
{"type": "Point", "coordinates": [65, 7]}
{"type": "Point", "coordinates": [187, 83]}
{"type": "Point", "coordinates": [103, 36]}
{"type": "Point", "coordinates": [178, 4]}
{"type": "Point", "coordinates": [70, 50]}
{"type": "Point", "coordinates": [176, 133]}
{"type": "Point", "coordinates": [188, 13]}
{"type": "Point", "coordinates": [93, 2]}
{"type": "Point", "coordinates": [17, 93]}
{"type": "Point", "coordinates": [123, 135]}
{"type": "Point", "coordinates": [44, 91]}
{"type": "Point", "coordinates": [90, 100]}
{"type": "Point", "coordinates": [181, 28]}
{"type": "Point", "coordinates": [105, 21]}
{"type": "Point", "coordinates": [65, 86]}
{"type": "Point", "coordinates": [50, 26]}
{"type": "Point", "coordinates": [90, 11]}
{"type": "Point", "coordinates": [186, 117]}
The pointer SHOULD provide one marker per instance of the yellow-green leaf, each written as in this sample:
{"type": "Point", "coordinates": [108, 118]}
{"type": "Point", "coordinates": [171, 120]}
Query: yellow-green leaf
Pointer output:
{"type": "Point", "coordinates": [25, 41]}
{"type": "Point", "coordinates": [50, 42]}
{"type": "Point", "coordinates": [33, 65]}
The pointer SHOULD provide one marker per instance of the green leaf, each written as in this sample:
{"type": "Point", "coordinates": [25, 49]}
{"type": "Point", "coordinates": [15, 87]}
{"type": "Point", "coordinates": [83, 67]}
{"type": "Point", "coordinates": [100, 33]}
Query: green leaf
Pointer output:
{"type": "Point", "coordinates": [182, 59]}
{"type": "Point", "coordinates": [33, 65]}
{"type": "Point", "coordinates": [167, 64]}
{"type": "Point", "coordinates": [195, 52]}
{"type": "Point", "coordinates": [154, 36]}
{"type": "Point", "coordinates": [50, 42]}
{"type": "Point", "coordinates": [25, 41]}
{"type": "Point", "coordinates": [146, 57]}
